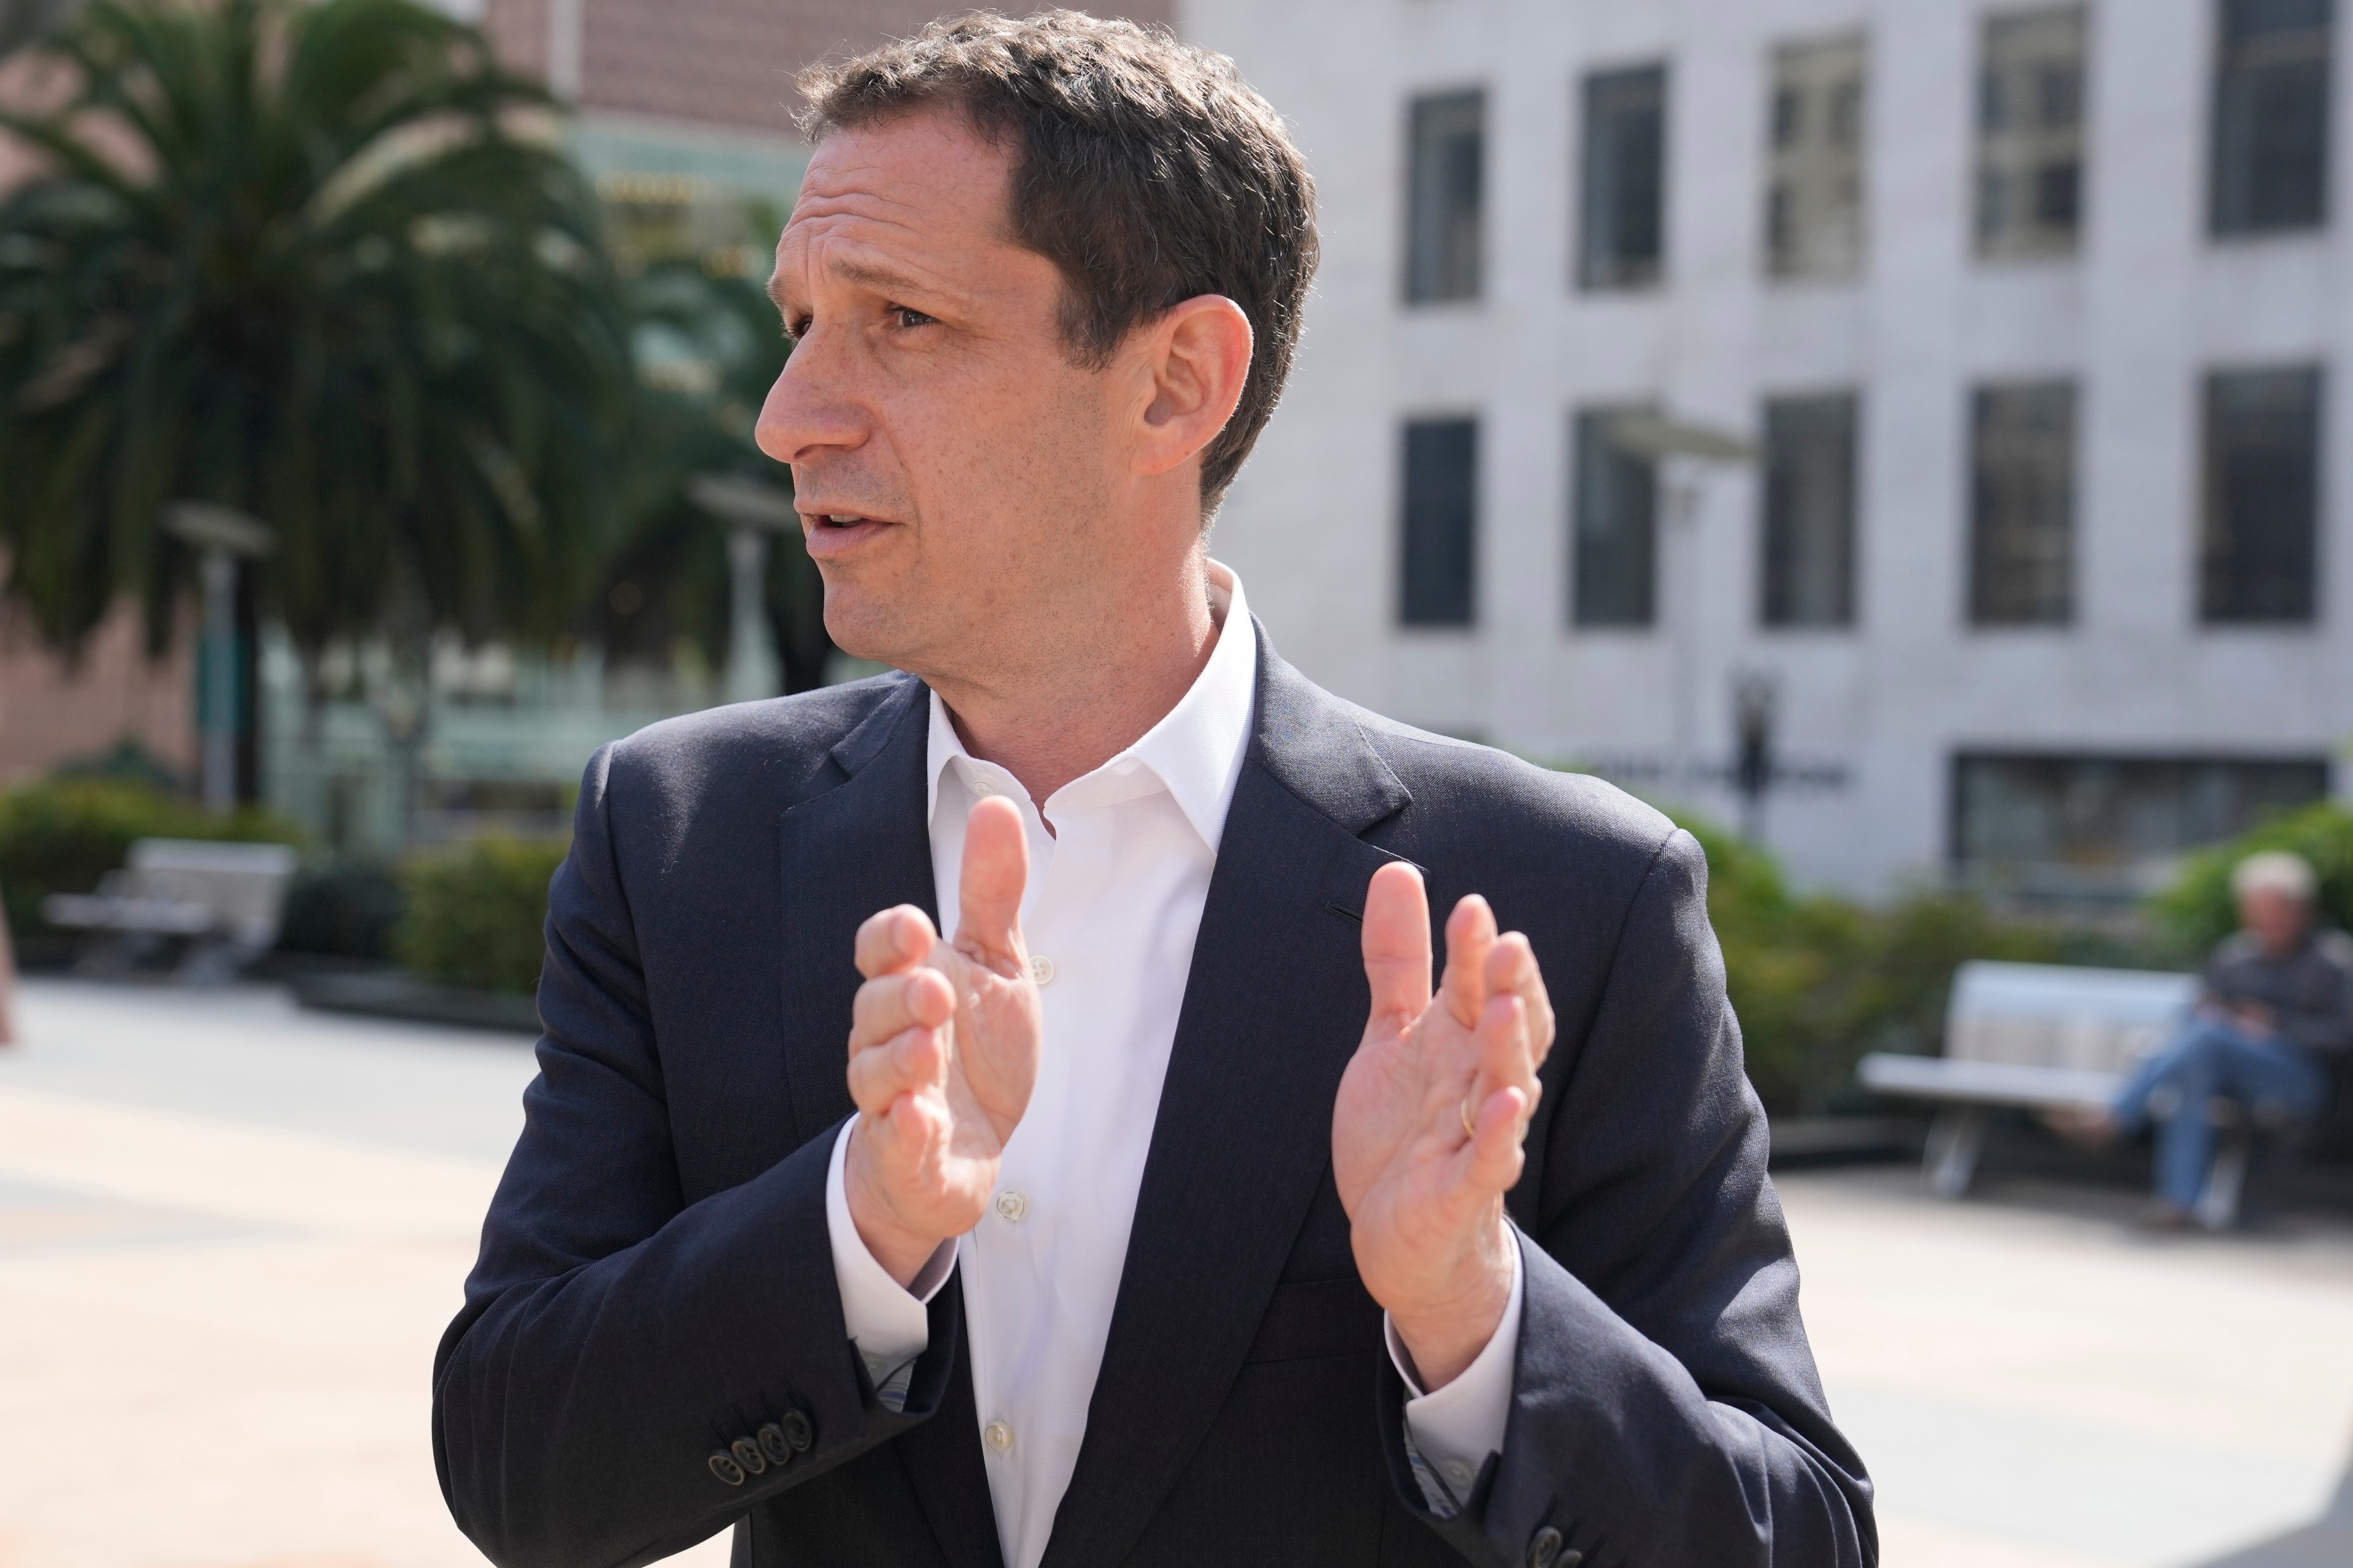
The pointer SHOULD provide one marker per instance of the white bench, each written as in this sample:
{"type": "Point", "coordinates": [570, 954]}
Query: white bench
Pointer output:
{"type": "Point", "coordinates": [222, 900]}
{"type": "Point", "coordinates": [2036, 1036]}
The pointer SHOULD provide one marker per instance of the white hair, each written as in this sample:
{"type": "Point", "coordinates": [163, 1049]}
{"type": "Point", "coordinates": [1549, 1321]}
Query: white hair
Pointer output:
{"type": "Point", "coordinates": [2275, 871]}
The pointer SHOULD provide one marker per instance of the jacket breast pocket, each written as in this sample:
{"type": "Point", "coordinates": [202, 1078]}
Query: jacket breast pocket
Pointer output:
{"type": "Point", "coordinates": [1315, 1318]}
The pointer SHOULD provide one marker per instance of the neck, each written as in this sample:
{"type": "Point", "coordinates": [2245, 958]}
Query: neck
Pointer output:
{"type": "Point", "coordinates": [1092, 684]}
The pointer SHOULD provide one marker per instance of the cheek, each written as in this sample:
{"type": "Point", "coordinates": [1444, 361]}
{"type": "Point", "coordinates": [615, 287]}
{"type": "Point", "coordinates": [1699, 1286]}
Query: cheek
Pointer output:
{"type": "Point", "coordinates": [1000, 450]}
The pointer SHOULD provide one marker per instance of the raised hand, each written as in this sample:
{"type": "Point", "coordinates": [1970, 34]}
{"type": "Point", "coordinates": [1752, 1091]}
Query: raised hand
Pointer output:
{"type": "Point", "coordinates": [1426, 1132]}
{"type": "Point", "coordinates": [944, 1046]}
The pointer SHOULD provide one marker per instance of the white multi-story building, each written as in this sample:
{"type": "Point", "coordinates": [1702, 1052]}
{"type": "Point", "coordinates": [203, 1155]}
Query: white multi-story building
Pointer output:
{"type": "Point", "coordinates": [2033, 316]}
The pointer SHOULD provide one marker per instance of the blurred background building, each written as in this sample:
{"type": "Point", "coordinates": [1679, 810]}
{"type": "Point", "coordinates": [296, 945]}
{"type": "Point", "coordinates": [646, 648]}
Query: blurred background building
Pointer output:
{"type": "Point", "coordinates": [2034, 315]}
{"type": "Point", "coordinates": [1903, 424]}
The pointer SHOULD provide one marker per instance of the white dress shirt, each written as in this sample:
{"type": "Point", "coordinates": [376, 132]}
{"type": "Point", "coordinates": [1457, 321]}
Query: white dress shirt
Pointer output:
{"type": "Point", "coordinates": [1111, 910]}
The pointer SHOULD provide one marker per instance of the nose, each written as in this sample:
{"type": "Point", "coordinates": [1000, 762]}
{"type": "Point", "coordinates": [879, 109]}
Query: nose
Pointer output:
{"type": "Point", "coordinates": [809, 411]}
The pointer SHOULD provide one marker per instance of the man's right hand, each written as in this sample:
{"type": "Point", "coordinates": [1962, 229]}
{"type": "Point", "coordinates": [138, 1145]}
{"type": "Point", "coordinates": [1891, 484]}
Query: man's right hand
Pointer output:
{"type": "Point", "coordinates": [943, 1046]}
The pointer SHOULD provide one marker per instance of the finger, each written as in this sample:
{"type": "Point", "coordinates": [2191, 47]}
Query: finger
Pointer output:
{"type": "Point", "coordinates": [893, 940]}
{"type": "Point", "coordinates": [1513, 970]}
{"type": "Point", "coordinates": [995, 870]}
{"type": "Point", "coordinates": [907, 1063]}
{"type": "Point", "coordinates": [919, 999]}
{"type": "Point", "coordinates": [1397, 943]}
{"type": "Point", "coordinates": [1494, 1159]}
{"type": "Point", "coordinates": [1470, 938]}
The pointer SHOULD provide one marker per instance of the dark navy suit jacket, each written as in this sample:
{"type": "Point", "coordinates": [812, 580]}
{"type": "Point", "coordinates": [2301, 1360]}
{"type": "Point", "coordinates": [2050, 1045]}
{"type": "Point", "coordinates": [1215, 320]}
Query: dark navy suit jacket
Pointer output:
{"type": "Point", "coordinates": [655, 1281]}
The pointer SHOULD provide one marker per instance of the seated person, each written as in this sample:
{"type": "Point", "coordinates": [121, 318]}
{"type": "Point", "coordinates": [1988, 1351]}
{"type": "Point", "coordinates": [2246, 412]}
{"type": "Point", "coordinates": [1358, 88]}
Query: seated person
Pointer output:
{"type": "Point", "coordinates": [2278, 996]}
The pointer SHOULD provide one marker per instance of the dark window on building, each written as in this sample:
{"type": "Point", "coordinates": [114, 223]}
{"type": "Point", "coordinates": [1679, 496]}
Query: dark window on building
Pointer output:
{"type": "Point", "coordinates": [1809, 576]}
{"type": "Point", "coordinates": [2109, 828]}
{"type": "Point", "coordinates": [2022, 505]}
{"type": "Point", "coordinates": [2262, 496]}
{"type": "Point", "coordinates": [2271, 115]}
{"type": "Point", "coordinates": [1622, 231]}
{"type": "Point", "coordinates": [1439, 556]}
{"type": "Point", "coordinates": [2030, 134]}
{"type": "Point", "coordinates": [1614, 526]}
{"type": "Point", "coordinates": [1813, 192]}
{"type": "Point", "coordinates": [1443, 197]}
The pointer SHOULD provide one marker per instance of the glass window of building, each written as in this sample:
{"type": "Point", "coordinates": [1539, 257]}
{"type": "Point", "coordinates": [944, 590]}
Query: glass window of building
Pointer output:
{"type": "Point", "coordinates": [2262, 496]}
{"type": "Point", "coordinates": [1808, 566]}
{"type": "Point", "coordinates": [1443, 197]}
{"type": "Point", "coordinates": [2076, 826]}
{"type": "Point", "coordinates": [2271, 115]}
{"type": "Point", "coordinates": [2022, 505]}
{"type": "Point", "coordinates": [1621, 228]}
{"type": "Point", "coordinates": [1613, 565]}
{"type": "Point", "coordinates": [2030, 134]}
{"type": "Point", "coordinates": [1814, 195]}
{"type": "Point", "coordinates": [1439, 561]}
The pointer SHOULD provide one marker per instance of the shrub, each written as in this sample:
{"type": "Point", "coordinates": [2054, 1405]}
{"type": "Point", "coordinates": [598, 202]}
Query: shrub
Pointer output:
{"type": "Point", "coordinates": [344, 908]}
{"type": "Point", "coordinates": [2197, 910]}
{"type": "Point", "coordinates": [62, 834]}
{"type": "Point", "coordinates": [476, 912]}
{"type": "Point", "coordinates": [1817, 981]}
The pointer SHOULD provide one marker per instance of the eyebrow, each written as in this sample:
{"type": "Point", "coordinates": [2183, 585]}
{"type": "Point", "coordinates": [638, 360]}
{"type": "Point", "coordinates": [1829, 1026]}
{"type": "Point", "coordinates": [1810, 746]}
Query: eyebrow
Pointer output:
{"type": "Point", "coordinates": [866, 273]}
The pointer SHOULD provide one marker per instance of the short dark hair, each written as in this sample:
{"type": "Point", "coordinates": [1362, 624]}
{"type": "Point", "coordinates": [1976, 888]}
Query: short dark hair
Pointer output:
{"type": "Point", "coordinates": [1146, 169]}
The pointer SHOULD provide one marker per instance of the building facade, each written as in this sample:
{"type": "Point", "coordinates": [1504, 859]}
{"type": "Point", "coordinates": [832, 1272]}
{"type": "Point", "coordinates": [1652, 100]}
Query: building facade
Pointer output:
{"type": "Point", "coordinates": [2034, 316]}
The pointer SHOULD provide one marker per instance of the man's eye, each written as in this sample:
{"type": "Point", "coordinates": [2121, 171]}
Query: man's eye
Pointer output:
{"type": "Point", "coordinates": [907, 316]}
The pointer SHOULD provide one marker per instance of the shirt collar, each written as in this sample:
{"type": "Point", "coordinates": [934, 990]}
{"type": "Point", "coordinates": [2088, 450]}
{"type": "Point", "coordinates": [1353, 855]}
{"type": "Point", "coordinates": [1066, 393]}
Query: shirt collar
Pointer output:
{"type": "Point", "coordinates": [1196, 750]}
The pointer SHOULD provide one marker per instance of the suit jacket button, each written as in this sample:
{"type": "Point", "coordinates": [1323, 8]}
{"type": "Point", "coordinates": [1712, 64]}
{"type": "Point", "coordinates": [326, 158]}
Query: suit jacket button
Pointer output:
{"type": "Point", "coordinates": [797, 1431]}
{"type": "Point", "coordinates": [773, 1444]}
{"type": "Point", "coordinates": [1543, 1549]}
{"type": "Point", "coordinates": [747, 1454]}
{"type": "Point", "coordinates": [725, 1466]}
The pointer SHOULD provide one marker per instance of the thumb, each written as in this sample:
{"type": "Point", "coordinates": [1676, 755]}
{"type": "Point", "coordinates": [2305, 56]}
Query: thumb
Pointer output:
{"type": "Point", "coordinates": [1397, 943]}
{"type": "Point", "coordinates": [995, 870]}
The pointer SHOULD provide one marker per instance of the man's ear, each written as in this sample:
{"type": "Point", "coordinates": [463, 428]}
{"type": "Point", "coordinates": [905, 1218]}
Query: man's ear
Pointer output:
{"type": "Point", "coordinates": [1196, 358]}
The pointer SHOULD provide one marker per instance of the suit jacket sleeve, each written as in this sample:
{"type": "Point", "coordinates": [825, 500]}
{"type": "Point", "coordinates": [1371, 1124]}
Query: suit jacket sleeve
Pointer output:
{"type": "Point", "coordinates": [615, 1338]}
{"type": "Point", "coordinates": [1665, 1407]}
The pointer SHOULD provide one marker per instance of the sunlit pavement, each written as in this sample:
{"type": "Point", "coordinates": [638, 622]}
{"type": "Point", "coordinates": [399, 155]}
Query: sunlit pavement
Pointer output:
{"type": "Point", "coordinates": [230, 1233]}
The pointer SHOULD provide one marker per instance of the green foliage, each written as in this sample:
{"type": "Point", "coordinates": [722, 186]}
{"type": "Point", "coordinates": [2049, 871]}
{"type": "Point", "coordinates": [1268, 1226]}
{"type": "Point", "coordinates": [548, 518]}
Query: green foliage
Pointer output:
{"type": "Point", "coordinates": [344, 908]}
{"type": "Point", "coordinates": [298, 258]}
{"type": "Point", "coordinates": [669, 580]}
{"type": "Point", "coordinates": [477, 912]}
{"type": "Point", "coordinates": [61, 836]}
{"type": "Point", "coordinates": [1819, 980]}
{"type": "Point", "coordinates": [2197, 910]}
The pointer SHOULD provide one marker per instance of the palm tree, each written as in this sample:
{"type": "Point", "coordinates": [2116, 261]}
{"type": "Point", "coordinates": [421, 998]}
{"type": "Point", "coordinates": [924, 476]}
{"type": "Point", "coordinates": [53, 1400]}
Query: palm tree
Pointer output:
{"type": "Point", "coordinates": [667, 578]}
{"type": "Point", "coordinates": [321, 263]}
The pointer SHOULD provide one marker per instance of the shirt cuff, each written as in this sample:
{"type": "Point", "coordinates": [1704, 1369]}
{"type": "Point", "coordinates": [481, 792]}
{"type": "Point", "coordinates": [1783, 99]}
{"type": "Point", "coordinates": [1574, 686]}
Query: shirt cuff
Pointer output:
{"type": "Point", "coordinates": [886, 1321]}
{"type": "Point", "coordinates": [1454, 1430]}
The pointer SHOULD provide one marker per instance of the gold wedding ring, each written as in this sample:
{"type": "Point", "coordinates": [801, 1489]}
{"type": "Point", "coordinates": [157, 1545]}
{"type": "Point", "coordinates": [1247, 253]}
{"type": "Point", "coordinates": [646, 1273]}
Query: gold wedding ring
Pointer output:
{"type": "Point", "coordinates": [1470, 1126]}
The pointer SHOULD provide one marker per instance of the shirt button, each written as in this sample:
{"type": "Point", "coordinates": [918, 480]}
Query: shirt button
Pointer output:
{"type": "Point", "coordinates": [1457, 1474]}
{"type": "Point", "coordinates": [1041, 969]}
{"type": "Point", "coordinates": [1012, 1207]}
{"type": "Point", "coordinates": [999, 1436]}
{"type": "Point", "coordinates": [983, 786]}
{"type": "Point", "coordinates": [876, 1368]}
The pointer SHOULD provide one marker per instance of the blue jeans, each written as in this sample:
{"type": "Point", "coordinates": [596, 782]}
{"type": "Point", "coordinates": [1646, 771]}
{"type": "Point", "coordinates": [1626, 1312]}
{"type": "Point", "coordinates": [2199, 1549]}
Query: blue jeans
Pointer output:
{"type": "Point", "coordinates": [2212, 1059]}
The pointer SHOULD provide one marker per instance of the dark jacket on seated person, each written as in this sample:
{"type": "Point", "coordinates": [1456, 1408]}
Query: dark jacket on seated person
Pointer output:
{"type": "Point", "coordinates": [2309, 990]}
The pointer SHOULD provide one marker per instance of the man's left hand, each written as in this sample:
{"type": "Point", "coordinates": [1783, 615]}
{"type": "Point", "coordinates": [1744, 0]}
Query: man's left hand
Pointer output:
{"type": "Point", "coordinates": [1426, 1133]}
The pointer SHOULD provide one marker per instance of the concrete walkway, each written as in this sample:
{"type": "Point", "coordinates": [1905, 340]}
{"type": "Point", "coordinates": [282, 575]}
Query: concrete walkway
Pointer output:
{"type": "Point", "coordinates": [230, 1233]}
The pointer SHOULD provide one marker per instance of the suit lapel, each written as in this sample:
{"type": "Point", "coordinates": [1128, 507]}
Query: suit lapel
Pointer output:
{"type": "Point", "coordinates": [861, 847]}
{"type": "Point", "coordinates": [1274, 1008]}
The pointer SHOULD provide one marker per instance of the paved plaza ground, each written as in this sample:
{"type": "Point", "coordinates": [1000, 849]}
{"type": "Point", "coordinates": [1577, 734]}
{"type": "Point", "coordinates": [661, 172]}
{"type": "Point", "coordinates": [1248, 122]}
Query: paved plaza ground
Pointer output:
{"type": "Point", "coordinates": [230, 1234]}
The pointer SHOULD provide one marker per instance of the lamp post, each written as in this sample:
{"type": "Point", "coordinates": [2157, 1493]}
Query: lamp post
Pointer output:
{"type": "Point", "coordinates": [754, 511]}
{"type": "Point", "coordinates": [224, 536]}
{"type": "Point", "coordinates": [1685, 452]}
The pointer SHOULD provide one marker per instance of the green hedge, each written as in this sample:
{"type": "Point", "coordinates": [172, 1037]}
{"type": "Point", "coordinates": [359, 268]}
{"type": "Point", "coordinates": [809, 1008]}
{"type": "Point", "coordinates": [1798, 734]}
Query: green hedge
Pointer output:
{"type": "Point", "coordinates": [62, 834]}
{"type": "Point", "coordinates": [476, 912]}
{"type": "Point", "coordinates": [1819, 980]}
{"type": "Point", "coordinates": [2197, 910]}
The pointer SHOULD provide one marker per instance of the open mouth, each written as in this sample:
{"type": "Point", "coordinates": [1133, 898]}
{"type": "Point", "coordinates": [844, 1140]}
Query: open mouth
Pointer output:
{"type": "Point", "coordinates": [834, 534]}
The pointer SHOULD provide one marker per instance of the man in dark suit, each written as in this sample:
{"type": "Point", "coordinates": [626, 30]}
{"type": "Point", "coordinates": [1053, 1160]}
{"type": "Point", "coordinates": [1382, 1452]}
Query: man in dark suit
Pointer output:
{"type": "Point", "coordinates": [1154, 1209]}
